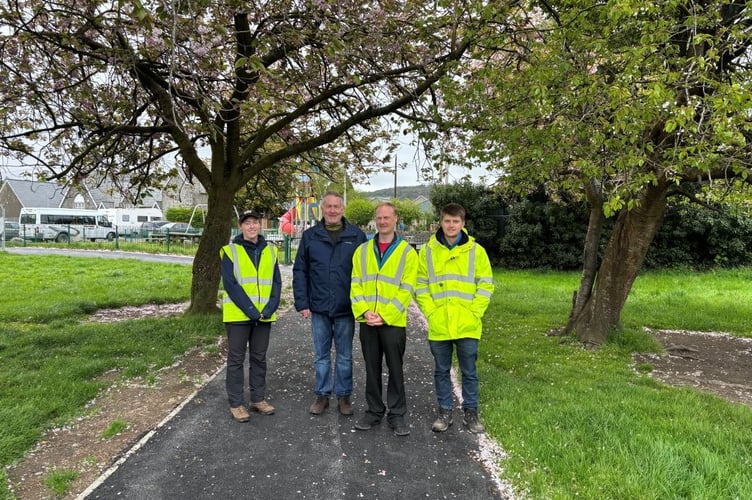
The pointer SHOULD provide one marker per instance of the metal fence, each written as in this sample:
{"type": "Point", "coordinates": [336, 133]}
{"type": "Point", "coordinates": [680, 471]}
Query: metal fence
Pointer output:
{"type": "Point", "coordinates": [182, 243]}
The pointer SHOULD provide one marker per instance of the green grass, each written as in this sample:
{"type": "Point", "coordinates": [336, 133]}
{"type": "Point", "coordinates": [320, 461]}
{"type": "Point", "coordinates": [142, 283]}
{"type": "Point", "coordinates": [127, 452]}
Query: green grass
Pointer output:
{"type": "Point", "coordinates": [116, 427]}
{"type": "Point", "coordinates": [584, 424]}
{"type": "Point", "coordinates": [52, 360]}
{"type": "Point", "coordinates": [59, 480]}
{"type": "Point", "coordinates": [575, 423]}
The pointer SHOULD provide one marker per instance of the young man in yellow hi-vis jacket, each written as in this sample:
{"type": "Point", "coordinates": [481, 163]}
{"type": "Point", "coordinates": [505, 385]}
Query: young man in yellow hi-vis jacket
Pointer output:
{"type": "Point", "coordinates": [455, 284]}
{"type": "Point", "coordinates": [383, 283]}
{"type": "Point", "coordinates": [252, 289]}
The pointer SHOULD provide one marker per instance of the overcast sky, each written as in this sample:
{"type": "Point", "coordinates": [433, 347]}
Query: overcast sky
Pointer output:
{"type": "Point", "coordinates": [408, 155]}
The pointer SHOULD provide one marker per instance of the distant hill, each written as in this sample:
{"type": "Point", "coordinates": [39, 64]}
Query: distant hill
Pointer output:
{"type": "Point", "coordinates": [403, 192]}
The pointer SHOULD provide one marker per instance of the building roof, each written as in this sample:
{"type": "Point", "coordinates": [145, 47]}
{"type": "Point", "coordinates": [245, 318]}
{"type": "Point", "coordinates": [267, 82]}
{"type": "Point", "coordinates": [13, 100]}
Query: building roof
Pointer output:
{"type": "Point", "coordinates": [36, 193]}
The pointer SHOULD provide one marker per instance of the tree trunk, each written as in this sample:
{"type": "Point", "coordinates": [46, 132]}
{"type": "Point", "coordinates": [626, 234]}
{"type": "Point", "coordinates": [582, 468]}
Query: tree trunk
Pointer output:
{"type": "Point", "coordinates": [590, 253]}
{"type": "Point", "coordinates": [206, 264]}
{"type": "Point", "coordinates": [633, 233]}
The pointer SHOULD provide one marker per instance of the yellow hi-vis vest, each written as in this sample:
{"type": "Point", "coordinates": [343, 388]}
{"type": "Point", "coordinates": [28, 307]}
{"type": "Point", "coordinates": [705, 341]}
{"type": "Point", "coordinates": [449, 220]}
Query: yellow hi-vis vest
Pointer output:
{"type": "Point", "coordinates": [257, 284]}
{"type": "Point", "coordinates": [454, 289]}
{"type": "Point", "coordinates": [387, 291]}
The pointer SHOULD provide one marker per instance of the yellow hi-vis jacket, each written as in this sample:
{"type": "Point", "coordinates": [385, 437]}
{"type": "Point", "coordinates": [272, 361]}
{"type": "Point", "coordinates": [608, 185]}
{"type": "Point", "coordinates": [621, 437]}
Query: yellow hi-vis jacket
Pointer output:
{"type": "Point", "coordinates": [454, 288]}
{"type": "Point", "coordinates": [386, 289]}
{"type": "Point", "coordinates": [257, 283]}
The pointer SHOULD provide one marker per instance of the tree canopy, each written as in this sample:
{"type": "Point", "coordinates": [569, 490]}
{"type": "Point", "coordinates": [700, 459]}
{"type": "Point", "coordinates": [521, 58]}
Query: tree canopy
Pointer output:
{"type": "Point", "coordinates": [232, 89]}
{"type": "Point", "coordinates": [621, 103]}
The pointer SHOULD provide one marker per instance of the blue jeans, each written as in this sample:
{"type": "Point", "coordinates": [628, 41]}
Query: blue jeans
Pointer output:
{"type": "Point", "coordinates": [340, 330]}
{"type": "Point", "coordinates": [467, 355]}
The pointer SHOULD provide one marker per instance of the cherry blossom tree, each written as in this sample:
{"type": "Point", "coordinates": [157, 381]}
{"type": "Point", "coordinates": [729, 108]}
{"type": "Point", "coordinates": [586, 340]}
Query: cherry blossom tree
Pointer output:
{"type": "Point", "coordinates": [105, 89]}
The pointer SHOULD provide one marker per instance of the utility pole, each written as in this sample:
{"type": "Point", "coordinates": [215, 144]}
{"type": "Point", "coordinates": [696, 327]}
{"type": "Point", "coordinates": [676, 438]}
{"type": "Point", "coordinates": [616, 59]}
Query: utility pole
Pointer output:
{"type": "Point", "coordinates": [395, 177]}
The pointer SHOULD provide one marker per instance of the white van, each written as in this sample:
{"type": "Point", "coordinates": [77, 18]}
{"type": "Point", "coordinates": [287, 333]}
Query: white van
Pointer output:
{"type": "Point", "coordinates": [128, 220]}
{"type": "Point", "coordinates": [64, 225]}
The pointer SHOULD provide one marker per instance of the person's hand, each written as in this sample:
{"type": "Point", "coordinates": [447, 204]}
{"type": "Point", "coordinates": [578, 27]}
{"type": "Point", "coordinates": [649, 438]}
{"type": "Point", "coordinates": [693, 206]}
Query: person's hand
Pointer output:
{"type": "Point", "coordinates": [373, 319]}
{"type": "Point", "coordinates": [306, 313]}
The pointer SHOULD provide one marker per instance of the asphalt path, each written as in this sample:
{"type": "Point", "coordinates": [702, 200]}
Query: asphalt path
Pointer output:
{"type": "Point", "coordinates": [103, 254]}
{"type": "Point", "coordinates": [200, 452]}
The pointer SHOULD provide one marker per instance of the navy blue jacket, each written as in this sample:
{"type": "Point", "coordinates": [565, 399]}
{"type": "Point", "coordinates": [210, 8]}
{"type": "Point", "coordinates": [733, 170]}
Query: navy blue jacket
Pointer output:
{"type": "Point", "coordinates": [322, 270]}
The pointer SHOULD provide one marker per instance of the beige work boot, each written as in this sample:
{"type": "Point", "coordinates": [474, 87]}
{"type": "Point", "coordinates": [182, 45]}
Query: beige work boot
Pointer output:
{"type": "Point", "coordinates": [240, 414]}
{"type": "Point", "coordinates": [263, 408]}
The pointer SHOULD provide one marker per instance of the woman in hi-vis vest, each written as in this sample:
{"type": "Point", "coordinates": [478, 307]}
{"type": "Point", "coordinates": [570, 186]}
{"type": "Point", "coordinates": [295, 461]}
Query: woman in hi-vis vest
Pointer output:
{"type": "Point", "coordinates": [252, 287]}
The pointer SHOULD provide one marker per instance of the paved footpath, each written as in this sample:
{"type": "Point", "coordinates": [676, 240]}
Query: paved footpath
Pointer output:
{"type": "Point", "coordinates": [202, 453]}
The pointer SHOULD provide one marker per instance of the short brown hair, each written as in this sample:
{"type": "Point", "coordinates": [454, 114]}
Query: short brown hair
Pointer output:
{"type": "Point", "coordinates": [454, 209]}
{"type": "Point", "coordinates": [387, 204]}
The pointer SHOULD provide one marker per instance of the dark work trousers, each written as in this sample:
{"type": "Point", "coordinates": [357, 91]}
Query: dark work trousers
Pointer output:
{"type": "Point", "coordinates": [378, 343]}
{"type": "Point", "coordinates": [242, 338]}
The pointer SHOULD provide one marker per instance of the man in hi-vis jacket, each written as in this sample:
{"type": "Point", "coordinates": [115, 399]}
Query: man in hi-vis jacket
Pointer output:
{"type": "Point", "coordinates": [455, 284]}
{"type": "Point", "coordinates": [383, 283]}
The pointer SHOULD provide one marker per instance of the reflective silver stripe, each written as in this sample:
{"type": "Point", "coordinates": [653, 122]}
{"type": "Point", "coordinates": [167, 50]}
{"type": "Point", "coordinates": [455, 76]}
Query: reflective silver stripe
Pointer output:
{"type": "Point", "coordinates": [462, 278]}
{"type": "Point", "coordinates": [227, 300]}
{"type": "Point", "coordinates": [452, 293]}
{"type": "Point", "coordinates": [235, 263]}
{"type": "Point", "coordinates": [456, 277]}
{"type": "Point", "coordinates": [364, 262]}
{"type": "Point", "coordinates": [401, 267]}
{"type": "Point", "coordinates": [484, 292]}
{"type": "Point", "coordinates": [471, 267]}
{"type": "Point", "coordinates": [386, 301]}
{"type": "Point", "coordinates": [390, 280]}
{"type": "Point", "coordinates": [364, 276]}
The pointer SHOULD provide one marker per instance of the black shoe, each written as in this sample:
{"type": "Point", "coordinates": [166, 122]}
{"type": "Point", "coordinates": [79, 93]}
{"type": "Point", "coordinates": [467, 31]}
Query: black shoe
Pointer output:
{"type": "Point", "coordinates": [400, 428]}
{"type": "Point", "coordinates": [367, 423]}
{"type": "Point", "coordinates": [472, 421]}
{"type": "Point", "coordinates": [443, 422]}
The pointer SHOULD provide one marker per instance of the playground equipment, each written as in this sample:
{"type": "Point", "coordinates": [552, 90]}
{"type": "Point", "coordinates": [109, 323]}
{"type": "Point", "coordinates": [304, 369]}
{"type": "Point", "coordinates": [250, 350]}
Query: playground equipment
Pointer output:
{"type": "Point", "coordinates": [286, 222]}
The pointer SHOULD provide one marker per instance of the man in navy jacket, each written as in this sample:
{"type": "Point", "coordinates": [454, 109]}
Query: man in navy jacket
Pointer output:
{"type": "Point", "coordinates": [321, 287]}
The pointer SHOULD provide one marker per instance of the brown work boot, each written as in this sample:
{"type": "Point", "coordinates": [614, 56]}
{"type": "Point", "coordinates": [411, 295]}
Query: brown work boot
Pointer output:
{"type": "Point", "coordinates": [345, 405]}
{"type": "Point", "coordinates": [320, 404]}
{"type": "Point", "coordinates": [263, 408]}
{"type": "Point", "coordinates": [240, 414]}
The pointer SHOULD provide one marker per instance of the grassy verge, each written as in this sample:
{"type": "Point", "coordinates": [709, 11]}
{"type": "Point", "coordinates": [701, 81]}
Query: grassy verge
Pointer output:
{"type": "Point", "coordinates": [127, 244]}
{"type": "Point", "coordinates": [584, 424]}
{"type": "Point", "coordinates": [51, 360]}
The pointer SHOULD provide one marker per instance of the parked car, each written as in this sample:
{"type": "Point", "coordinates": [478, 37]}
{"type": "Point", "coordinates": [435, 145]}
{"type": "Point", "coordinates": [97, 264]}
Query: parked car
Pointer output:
{"type": "Point", "coordinates": [175, 227]}
{"type": "Point", "coordinates": [11, 230]}
{"type": "Point", "coordinates": [148, 228]}
{"type": "Point", "coordinates": [181, 230]}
